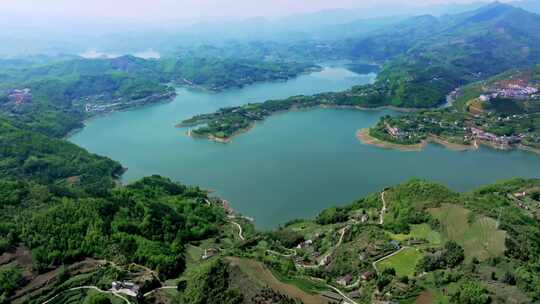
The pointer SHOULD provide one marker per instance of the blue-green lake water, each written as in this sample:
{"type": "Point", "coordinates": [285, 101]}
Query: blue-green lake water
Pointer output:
{"type": "Point", "coordinates": [294, 164]}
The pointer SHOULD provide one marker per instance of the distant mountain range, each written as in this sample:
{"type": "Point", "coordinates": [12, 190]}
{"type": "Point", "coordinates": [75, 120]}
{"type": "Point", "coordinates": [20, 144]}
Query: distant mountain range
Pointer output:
{"type": "Point", "coordinates": [427, 57]}
{"type": "Point", "coordinates": [78, 36]}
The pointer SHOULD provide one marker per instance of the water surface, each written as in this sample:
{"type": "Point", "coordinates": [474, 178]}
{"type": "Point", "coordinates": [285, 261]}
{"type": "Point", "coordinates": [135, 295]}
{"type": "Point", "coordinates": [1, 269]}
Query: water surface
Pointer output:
{"type": "Point", "coordinates": [294, 164]}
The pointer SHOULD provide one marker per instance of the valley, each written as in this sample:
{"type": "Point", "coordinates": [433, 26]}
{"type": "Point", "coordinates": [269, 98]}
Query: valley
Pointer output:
{"type": "Point", "coordinates": [318, 158]}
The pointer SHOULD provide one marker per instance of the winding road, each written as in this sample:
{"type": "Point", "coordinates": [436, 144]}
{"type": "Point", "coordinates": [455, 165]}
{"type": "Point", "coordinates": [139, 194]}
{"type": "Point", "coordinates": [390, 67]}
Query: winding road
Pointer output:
{"type": "Point", "coordinates": [157, 289]}
{"type": "Point", "coordinates": [342, 234]}
{"type": "Point", "coordinates": [383, 210]}
{"type": "Point", "coordinates": [89, 287]}
{"type": "Point", "coordinates": [240, 235]}
{"type": "Point", "coordinates": [342, 294]}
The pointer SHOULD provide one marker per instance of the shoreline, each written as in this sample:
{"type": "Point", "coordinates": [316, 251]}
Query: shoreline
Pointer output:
{"type": "Point", "coordinates": [165, 99]}
{"type": "Point", "coordinates": [187, 84]}
{"type": "Point", "coordinates": [292, 109]}
{"type": "Point", "coordinates": [224, 140]}
{"type": "Point", "coordinates": [450, 145]}
{"type": "Point", "coordinates": [363, 136]}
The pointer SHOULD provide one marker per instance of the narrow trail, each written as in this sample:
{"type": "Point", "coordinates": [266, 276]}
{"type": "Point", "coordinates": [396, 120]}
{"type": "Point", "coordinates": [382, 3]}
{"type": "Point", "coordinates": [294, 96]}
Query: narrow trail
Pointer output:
{"type": "Point", "coordinates": [89, 287]}
{"type": "Point", "coordinates": [333, 249]}
{"type": "Point", "coordinates": [290, 255]}
{"type": "Point", "coordinates": [240, 231]}
{"type": "Point", "coordinates": [351, 301]}
{"type": "Point", "coordinates": [157, 289]}
{"type": "Point", "coordinates": [383, 210]}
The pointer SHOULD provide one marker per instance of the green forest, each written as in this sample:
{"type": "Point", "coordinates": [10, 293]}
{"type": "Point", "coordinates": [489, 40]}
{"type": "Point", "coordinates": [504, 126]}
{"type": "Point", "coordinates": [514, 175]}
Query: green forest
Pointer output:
{"type": "Point", "coordinates": [72, 232]}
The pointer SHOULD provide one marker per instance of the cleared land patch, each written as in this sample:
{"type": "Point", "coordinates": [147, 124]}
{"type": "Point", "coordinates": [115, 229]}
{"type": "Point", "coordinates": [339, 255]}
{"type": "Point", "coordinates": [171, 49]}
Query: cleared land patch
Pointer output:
{"type": "Point", "coordinates": [404, 262]}
{"type": "Point", "coordinates": [420, 232]}
{"type": "Point", "coordinates": [481, 238]}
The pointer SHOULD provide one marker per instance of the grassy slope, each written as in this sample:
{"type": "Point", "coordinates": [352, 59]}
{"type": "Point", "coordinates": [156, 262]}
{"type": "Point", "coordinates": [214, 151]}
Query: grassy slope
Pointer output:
{"type": "Point", "coordinates": [404, 262]}
{"type": "Point", "coordinates": [480, 238]}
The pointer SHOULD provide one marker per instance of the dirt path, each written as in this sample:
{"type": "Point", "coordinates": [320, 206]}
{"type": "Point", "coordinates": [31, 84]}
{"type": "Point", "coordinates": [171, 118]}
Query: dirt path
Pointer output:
{"type": "Point", "coordinates": [89, 287]}
{"type": "Point", "coordinates": [158, 289]}
{"type": "Point", "coordinates": [383, 210]}
{"type": "Point", "coordinates": [349, 300]}
{"type": "Point", "coordinates": [240, 235]}
{"type": "Point", "coordinates": [333, 249]}
{"type": "Point", "coordinates": [290, 255]}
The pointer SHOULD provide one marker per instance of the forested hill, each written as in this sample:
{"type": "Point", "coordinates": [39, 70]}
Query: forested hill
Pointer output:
{"type": "Point", "coordinates": [424, 59]}
{"type": "Point", "coordinates": [427, 57]}
{"type": "Point", "coordinates": [61, 167]}
{"type": "Point", "coordinates": [60, 205]}
{"type": "Point", "coordinates": [53, 96]}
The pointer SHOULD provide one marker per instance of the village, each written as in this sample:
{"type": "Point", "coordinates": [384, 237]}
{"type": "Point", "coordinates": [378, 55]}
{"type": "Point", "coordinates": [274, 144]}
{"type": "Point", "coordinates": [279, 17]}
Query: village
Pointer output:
{"type": "Point", "coordinates": [19, 96]}
{"type": "Point", "coordinates": [15, 98]}
{"type": "Point", "coordinates": [519, 89]}
{"type": "Point", "coordinates": [100, 104]}
{"type": "Point", "coordinates": [468, 135]}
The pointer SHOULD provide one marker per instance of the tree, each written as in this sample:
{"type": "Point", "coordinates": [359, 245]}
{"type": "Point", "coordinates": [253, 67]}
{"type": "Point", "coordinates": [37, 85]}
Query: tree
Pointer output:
{"type": "Point", "coordinates": [471, 293]}
{"type": "Point", "coordinates": [97, 299]}
{"type": "Point", "coordinates": [509, 278]}
{"type": "Point", "coordinates": [181, 285]}
{"type": "Point", "coordinates": [210, 285]}
{"type": "Point", "coordinates": [63, 274]}
{"type": "Point", "coordinates": [453, 254]}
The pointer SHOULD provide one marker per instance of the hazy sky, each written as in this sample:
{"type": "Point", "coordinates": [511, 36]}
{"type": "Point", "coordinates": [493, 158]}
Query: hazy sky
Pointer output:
{"type": "Point", "coordinates": [152, 10]}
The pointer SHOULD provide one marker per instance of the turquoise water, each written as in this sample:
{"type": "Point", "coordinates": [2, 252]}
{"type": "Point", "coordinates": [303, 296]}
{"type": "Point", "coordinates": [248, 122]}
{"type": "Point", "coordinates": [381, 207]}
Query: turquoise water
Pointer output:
{"type": "Point", "coordinates": [292, 165]}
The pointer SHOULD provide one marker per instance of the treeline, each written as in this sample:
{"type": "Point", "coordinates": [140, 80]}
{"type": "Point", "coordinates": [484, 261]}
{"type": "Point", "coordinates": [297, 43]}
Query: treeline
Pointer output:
{"type": "Point", "coordinates": [223, 73]}
{"type": "Point", "coordinates": [31, 160]}
{"type": "Point", "coordinates": [63, 203]}
{"type": "Point", "coordinates": [148, 222]}
{"type": "Point", "coordinates": [61, 89]}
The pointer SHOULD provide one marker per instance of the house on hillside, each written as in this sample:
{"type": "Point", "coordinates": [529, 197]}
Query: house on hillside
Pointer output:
{"type": "Point", "coordinates": [19, 96]}
{"type": "Point", "coordinates": [127, 288]}
{"type": "Point", "coordinates": [395, 244]}
{"type": "Point", "coordinates": [345, 280]}
{"type": "Point", "coordinates": [327, 260]}
{"type": "Point", "coordinates": [208, 253]}
{"type": "Point", "coordinates": [368, 275]}
{"type": "Point", "coordinates": [304, 244]}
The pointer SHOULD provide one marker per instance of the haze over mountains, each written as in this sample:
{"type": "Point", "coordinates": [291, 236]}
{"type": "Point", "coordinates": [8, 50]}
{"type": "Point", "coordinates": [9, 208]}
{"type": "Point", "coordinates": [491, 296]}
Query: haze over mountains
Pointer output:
{"type": "Point", "coordinates": [28, 34]}
{"type": "Point", "coordinates": [76, 227]}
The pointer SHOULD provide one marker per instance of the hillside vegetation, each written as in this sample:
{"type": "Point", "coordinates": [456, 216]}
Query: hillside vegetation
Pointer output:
{"type": "Point", "coordinates": [424, 59]}
{"type": "Point", "coordinates": [54, 96]}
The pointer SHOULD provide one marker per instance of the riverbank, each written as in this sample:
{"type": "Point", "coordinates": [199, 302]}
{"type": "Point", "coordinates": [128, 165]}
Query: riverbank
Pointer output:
{"type": "Point", "coordinates": [205, 88]}
{"type": "Point", "coordinates": [364, 136]}
{"type": "Point", "coordinates": [132, 105]}
{"type": "Point", "coordinates": [221, 140]}
{"type": "Point", "coordinates": [450, 145]}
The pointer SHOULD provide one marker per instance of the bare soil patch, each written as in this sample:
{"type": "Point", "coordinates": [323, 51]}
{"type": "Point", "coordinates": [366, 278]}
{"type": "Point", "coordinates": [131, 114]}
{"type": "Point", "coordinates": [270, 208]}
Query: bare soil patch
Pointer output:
{"type": "Point", "coordinates": [260, 273]}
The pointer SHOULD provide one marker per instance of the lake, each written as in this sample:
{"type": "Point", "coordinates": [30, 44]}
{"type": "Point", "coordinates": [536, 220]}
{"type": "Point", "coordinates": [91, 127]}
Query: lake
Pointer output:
{"type": "Point", "coordinates": [294, 164]}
